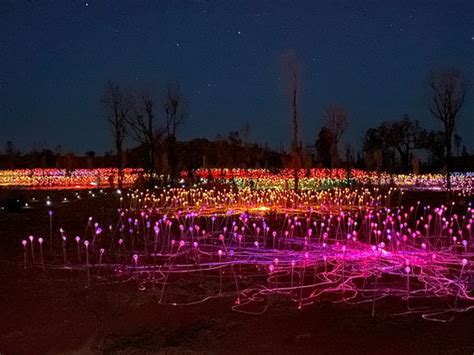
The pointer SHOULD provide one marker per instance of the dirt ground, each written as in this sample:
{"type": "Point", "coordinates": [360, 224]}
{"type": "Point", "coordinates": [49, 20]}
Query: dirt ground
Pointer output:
{"type": "Point", "coordinates": [59, 315]}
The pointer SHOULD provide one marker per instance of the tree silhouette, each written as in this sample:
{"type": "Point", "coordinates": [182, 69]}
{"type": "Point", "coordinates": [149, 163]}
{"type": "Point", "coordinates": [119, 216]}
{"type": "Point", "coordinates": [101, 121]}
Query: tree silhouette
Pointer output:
{"type": "Point", "coordinates": [292, 70]}
{"type": "Point", "coordinates": [176, 109]}
{"type": "Point", "coordinates": [335, 119]}
{"type": "Point", "coordinates": [325, 146]}
{"type": "Point", "coordinates": [447, 90]}
{"type": "Point", "coordinates": [117, 110]}
{"type": "Point", "coordinates": [402, 136]}
{"type": "Point", "coordinates": [143, 126]}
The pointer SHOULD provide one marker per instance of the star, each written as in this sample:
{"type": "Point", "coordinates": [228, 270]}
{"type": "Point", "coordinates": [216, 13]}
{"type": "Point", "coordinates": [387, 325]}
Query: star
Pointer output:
{"type": "Point", "coordinates": [86, 4]}
{"type": "Point", "coordinates": [177, 44]}
{"type": "Point", "coordinates": [239, 33]}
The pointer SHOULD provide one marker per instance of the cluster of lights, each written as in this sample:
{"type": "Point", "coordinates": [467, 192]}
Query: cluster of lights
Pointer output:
{"type": "Point", "coordinates": [325, 178]}
{"type": "Point", "coordinates": [342, 245]}
{"type": "Point", "coordinates": [63, 179]}
{"type": "Point", "coordinates": [309, 179]}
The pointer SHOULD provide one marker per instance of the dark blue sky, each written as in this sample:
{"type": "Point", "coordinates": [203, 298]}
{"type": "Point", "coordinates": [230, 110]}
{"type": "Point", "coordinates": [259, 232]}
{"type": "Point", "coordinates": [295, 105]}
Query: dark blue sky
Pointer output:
{"type": "Point", "coordinates": [56, 57]}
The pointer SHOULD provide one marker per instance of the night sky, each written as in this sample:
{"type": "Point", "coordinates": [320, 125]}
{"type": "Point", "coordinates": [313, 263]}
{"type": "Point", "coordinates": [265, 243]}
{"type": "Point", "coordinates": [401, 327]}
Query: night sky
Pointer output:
{"type": "Point", "coordinates": [57, 56]}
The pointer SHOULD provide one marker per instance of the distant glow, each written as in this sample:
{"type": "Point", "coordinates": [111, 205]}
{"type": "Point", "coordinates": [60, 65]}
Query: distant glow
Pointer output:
{"type": "Point", "coordinates": [61, 179]}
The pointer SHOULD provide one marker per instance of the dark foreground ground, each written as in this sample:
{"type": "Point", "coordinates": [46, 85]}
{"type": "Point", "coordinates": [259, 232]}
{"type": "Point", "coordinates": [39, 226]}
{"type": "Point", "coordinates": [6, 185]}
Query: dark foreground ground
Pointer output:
{"type": "Point", "coordinates": [60, 316]}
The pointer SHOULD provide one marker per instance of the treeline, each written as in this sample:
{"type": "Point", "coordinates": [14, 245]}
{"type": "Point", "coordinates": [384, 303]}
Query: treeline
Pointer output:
{"type": "Point", "coordinates": [393, 146]}
{"type": "Point", "coordinates": [222, 152]}
{"type": "Point", "coordinates": [145, 128]}
{"type": "Point", "coordinates": [404, 146]}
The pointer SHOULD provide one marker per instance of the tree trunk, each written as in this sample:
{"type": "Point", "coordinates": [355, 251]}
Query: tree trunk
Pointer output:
{"type": "Point", "coordinates": [406, 162]}
{"type": "Point", "coordinates": [172, 158]}
{"type": "Point", "coordinates": [295, 140]}
{"type": "Point", "coordinates": [119, 166]}
{"type": "Point", "coordinates": [448, 161]}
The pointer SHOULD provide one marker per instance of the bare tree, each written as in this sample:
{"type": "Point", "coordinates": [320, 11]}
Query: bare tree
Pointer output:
{"type": "Point", "coordinates": [447, 91]}
{"type": "Point", "coordinates": [117, 109]}
{"type": "Point", "coordinates": [291, 71]}
{"type": "Point", "coordinates": [143, 126]}
{"type": "Point", "coordinates": [176, 110]}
